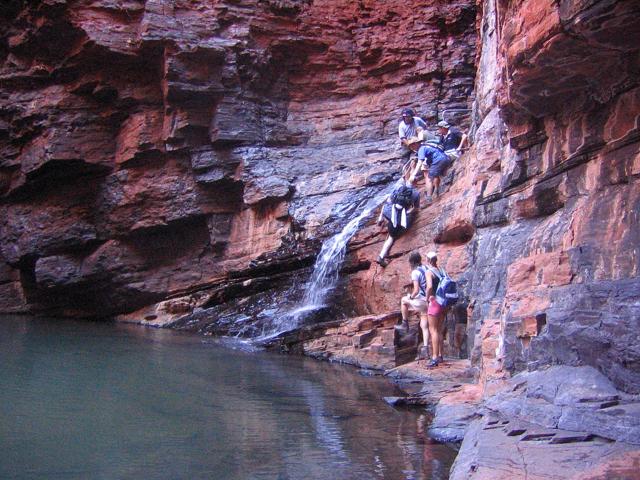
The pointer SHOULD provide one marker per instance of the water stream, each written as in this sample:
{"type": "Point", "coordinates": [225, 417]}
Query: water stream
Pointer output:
{"type": "Point", "coordinates": [326, 270]}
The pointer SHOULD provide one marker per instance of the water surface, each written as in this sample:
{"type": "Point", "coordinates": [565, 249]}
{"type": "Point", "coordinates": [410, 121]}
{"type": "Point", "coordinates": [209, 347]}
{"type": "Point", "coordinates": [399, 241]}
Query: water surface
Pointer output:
{"type": "Point", "coordinates": [85, 400]}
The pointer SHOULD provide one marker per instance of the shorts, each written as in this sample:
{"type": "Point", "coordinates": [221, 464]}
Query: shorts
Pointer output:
{"type": "Point", "coordinates": [435, 308]}
{"type": "Point", "coordinates": [418, 304]}
{"type": "Point", "coordinates": [438, 169]}
{"type": "Point", "coordinates": [395, 232]}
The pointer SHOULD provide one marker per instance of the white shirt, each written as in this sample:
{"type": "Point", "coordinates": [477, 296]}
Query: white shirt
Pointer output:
{"type": "Point", "coordinates": [407, 131]}
{"type": "Point", "coordinates": [420, 277]}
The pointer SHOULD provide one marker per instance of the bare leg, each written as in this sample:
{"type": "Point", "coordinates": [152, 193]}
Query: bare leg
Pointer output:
{"type": "Point", "coordinates": [435, 186]}
{"type": "Point", "coordinates": [415, 172]}
{"type": "Point", "coordinates": [386, 247]}
{"type": "Point", "coordinates": [427, 183]}
{"type": "Point", "coordinates": [434, 331]}
{"type": "Point", "coordinates": [443, 330]}
{"type": "Point", "coordinates": [424, 326]}
{"type": "Point", "coordinates": [404, 311]}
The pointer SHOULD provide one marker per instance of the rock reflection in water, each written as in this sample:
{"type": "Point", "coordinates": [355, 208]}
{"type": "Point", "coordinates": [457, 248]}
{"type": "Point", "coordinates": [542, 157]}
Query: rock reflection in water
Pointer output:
{"type": "Point", "coordinates": [89, 400]}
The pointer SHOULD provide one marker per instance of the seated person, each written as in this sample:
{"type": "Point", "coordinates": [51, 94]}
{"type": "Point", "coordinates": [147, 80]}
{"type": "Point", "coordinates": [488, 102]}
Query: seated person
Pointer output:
{"type": "Point", "coordinates": [409, 128]}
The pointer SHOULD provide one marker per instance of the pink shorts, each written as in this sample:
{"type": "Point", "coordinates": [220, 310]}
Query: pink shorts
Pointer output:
{"type": "Point", "coordinates": [434, 308]}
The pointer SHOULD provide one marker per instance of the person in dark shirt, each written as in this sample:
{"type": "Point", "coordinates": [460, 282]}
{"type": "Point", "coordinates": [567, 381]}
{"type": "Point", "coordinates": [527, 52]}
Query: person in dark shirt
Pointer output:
{"type": "Point", "coordinates": [398, 210]}
{"type": "Point", "coordinates": [452, 141]}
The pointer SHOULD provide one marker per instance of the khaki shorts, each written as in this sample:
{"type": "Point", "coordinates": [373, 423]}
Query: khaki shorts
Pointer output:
{"type": "Point", "coordinates": [418, 304]}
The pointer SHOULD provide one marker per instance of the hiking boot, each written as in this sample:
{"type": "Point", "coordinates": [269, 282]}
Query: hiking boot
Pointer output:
{"type": "Point", "coordinates": [403, 327]}
{"type": "Point", "coordinates": [440, 359]}
{"type": "Point", "coordinates": [432, 363]}
{"type": "Point", "coordinates": [382, 262]}
{"type": "Point", "coordinates": [423, 353]}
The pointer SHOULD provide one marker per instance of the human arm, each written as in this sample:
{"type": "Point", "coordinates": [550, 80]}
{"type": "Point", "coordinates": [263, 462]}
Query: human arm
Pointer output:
{"type": "Point", "coordinates": [429, 292]}
{"type": "Point", "coordinates": [402, 134]}
{"type": "Point", "coordinates": [416, 289]}
{"type": "Point", "coordinates": [463, 142]}
{"type": "Point", "coordinates": [381, 216]}
{"type": "Point", "coordinates": [415, 197]}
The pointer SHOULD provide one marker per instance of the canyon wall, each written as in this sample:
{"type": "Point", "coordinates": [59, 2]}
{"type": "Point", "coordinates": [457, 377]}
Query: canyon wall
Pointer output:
{"type": "Point", "coordinates": [165, 158]}
{"type": "Point", "coordinates": [540, 219]}
{"type": "Point", "coordinates": [177, 162]}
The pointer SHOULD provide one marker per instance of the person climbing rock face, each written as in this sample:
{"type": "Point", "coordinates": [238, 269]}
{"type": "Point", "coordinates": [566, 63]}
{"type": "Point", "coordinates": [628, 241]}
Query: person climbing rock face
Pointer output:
{"type": "Point", "coordinates": [452, 140]}
{"type": "Point", "coordinates": [433, 163]}
{"type": "Point", "coordinates": [435, 312]}
{"type": "Point", "coordinates": [398, 210]}
{"type": "Point", "coordinates": [416, 300]}
{"type": "Point", "coordinates": [408, 130]}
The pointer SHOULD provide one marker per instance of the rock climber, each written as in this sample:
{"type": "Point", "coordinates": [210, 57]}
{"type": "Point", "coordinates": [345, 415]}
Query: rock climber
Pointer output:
{"type": "Point", "coordinates": [409, 129]}
{"type": "Point", "coordinates": [398, 210]}
{"type": "Point", "coordinates": [435, 312]}
{"type": "Point", "coordinates": [452, 140]}
{"type": "Point", "coordinates": [416, 300]}
{"type": "Point", "coordinates": [433, 162]}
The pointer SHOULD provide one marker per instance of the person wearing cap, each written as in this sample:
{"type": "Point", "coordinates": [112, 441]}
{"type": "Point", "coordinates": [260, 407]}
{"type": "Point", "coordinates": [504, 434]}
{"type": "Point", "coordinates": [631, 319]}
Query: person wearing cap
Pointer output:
{"type": "Point", "coordinates": [452, 140]}
{"type": "Point", "coordinates": [408, 129]}
{"type": "Point", "coordinates": [433, 162]}
{"type": "Point", "coordinates": [435, 312]}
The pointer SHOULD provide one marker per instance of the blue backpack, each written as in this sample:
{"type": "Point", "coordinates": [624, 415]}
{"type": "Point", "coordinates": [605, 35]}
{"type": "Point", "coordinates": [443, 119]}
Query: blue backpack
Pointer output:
{"type": "Point", "coordinates": [447, 291]}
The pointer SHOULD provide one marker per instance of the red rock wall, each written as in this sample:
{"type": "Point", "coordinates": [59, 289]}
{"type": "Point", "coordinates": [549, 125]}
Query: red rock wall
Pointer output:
{"type": "Point", "coordinates": [540, 222]}
{"type": "Point", "coordinates": [167, 160]}
{"type": "Point", "coordinates": [176, 155]}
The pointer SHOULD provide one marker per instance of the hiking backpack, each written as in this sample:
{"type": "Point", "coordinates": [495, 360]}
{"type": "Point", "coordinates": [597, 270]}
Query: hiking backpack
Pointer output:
{"type": "Point", "coordinates": [403, 196]}
{"type": "Point", "coordinates": [447, 291]}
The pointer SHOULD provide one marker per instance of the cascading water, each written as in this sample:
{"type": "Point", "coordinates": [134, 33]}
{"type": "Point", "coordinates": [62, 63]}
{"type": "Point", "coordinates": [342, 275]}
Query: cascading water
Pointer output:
{"type": "Point", "coordinates": [326, 270]}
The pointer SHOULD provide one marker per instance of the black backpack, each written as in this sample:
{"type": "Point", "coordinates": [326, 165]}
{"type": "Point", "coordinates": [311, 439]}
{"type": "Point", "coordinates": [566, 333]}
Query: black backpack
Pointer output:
{"type": "Point", "coordinates": [403, 196]}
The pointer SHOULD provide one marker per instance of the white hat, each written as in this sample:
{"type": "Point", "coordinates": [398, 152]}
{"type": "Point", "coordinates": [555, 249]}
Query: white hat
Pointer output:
{"type": "Point", "coordinates": [431, 255]}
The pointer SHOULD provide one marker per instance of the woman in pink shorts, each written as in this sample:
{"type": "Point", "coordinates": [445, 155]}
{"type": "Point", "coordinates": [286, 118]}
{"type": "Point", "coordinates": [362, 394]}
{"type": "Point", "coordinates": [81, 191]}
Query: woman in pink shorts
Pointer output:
{"type": "Point", "coordinates": [435, 312]}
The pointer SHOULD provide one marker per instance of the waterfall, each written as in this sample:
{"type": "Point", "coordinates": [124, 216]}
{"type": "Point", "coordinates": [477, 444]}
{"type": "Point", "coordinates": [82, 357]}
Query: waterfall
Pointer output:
{"type": "Point", "coordinates": [326, 270]}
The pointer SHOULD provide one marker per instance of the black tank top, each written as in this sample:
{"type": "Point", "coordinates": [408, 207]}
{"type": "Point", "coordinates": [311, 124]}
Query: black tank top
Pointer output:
{"type": "Point", "coordinates": [435, 281]}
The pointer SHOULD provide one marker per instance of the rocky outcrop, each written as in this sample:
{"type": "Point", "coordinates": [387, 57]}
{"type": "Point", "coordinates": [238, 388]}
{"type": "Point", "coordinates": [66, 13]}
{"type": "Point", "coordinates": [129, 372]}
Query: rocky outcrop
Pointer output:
{"type": "Point", "coordinates": [538, 221]}
{"type": "Point", "coordinates": [159, 152]}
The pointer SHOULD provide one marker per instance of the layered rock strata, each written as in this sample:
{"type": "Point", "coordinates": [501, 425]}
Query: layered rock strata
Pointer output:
{"type": "Point", "coordinates": [162, 158]}
{"type": "Point", "coordinates": [176, 163]}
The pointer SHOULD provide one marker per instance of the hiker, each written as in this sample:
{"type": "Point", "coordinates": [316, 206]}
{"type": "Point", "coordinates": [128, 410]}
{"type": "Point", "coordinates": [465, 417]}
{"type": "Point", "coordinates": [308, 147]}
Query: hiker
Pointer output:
{"type": "Point", "coordinates": [433, 162]}
{"type": "Point", "coordinates": [397, 210]}
{"type": "Point", "coordinates": [416, 300]}
{"type": "Point", "coordinates": [452, 140]}
{"type": "Point", "coordinates": [409, 130]}
{"type": "Point", "coordinates": [435, 312]}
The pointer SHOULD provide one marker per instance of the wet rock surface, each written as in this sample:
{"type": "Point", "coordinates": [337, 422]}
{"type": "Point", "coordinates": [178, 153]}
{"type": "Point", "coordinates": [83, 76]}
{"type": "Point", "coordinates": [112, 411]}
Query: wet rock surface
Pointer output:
{"type": "Point", "coordinates": [179, 165]}
{"type": "Point", "coordinates": [222, 135]}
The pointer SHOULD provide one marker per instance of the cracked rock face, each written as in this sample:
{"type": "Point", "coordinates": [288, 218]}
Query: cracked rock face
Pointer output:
{"type": "Point", "coordinates": [173, 162]}
{"type": "Point", "coordinates": [157, 153]}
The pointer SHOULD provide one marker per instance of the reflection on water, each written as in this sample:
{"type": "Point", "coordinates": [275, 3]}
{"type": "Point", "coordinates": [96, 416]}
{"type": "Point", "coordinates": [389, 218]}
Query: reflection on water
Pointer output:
{"type": "Point", "coordinates": [91, 400]}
